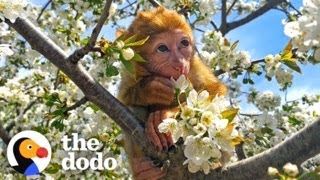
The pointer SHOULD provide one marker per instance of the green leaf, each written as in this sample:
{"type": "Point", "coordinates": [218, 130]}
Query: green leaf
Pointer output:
{"type": "Point", "coordinates": [229, 114]}
{"type": "Point", "coordinates": [234, 45]}
{"type": "Point", "coordinates": [287, 52]}
{"type": "Point", "coordinates": [137, 43]}
{"type": "Point", "coordinates": [55, 124]}
{"type": "Point", "coordinates": [226, 42]}
{"type": "Point", "coordinates": [251, 81]}
{"type": "Point", "coordinates": [62, 29]}
{"type": "Point", "coordinates": [111, 71]}
{"type": "Point", "coordinates": [58, 112]}
{"type": "Point", "coordinates": [309, 176]}
{"type": "Point", "coordinates": [53, 168]}
{"type": "Point", "coordinates": [292, 65]}
{"type": "Point", "coordinates": [267, 130]}
{"type": "Point", "coordinates": [61, 127]}
{"type": "Point", "coordinates": [294, 121]}
{"type": "Point", "coordinates": [94, 107]}
{"type": "Point", "coordinates": [138, 58]}
{"type": "Point", "coordinates": [127, 64]}
{"type": "Point", "coordinates": [131, 39]}
{"type": "Point", "coordinates": [120, 38]}
{"type": "Point", "coordinates": [40, 129]}
{"type": "Point", "coordinates": [84, 41]}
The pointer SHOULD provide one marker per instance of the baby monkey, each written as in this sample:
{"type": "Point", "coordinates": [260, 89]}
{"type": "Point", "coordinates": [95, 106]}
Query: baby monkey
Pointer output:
{"type": "Point", "coordinates": [169, 53]}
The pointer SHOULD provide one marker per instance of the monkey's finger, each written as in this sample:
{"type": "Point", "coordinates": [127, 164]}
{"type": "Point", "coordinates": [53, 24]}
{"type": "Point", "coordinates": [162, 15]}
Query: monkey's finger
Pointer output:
{"type": "Point", "coordinates": [165, 81]}
{"type": "Point", "coordinates": [168, 114]}
{"type": "Point", "coordinates": [162, 137]}
{"type": "Point", "coordinates": [151, 134]}
{"type": "Point", "coordinates": [165, 89]}
{"type": "Point", "coordinates": [169, 139]}
{"type": "Point", "coordinates": [154, 173]}
{"type": "Point", "coordinates": [142, 164]}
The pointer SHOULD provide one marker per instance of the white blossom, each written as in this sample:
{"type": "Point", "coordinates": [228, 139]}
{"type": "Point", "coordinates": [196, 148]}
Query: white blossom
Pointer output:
{"type": "Point", "coordinates": [182, 84]}
{"type": "Point", "coordinates": [12, 9]}
{"type": "Point", "coordinates": [168, 125]}
{"type": "Point", "coordinates": [5, 50]}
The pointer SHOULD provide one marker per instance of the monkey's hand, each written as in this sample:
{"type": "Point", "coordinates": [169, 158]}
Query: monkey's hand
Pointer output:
{"type": "Point", "coordinates": [155, 90]}
{"type": "Point", "coordinates": [145, 169]}
{"type": "Point", "coordinates": [160, 140]}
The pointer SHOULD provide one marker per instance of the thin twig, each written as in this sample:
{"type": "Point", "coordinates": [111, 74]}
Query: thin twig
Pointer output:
{"type": "Point", "coordinates": [200, 30]}
{"type": "Point", "coordinates": [271, 4]}
{"type": "Point", "coordinates": [44, 8]}
{"type": "Point", "coordinates": [56, 82]}
{"type": "Point", "coordinates": [249, 115]}
{"type": "Point", "coordinates": [214, 26]}
{"type": "Point", "coordinates": [127, 6]}
{"type": "Point", "coordinates": [294, 8]}
{"type": "Point", "coordinates": [220, 71]}
{"type": "Point", "coordinates": [232, 5]}
{"type": "Point", "coordinates": [3, 99]}
{"type": "Point", "coordinates": [78, 54]}
{"type": "Point", "coordinates": [77, 104]}
{"type": "Point", "coordinates": [29, 106]}
{"type": "Point", "coordinates": [155, 3]}
{"type": "Point", "coordinates": [28, 88]}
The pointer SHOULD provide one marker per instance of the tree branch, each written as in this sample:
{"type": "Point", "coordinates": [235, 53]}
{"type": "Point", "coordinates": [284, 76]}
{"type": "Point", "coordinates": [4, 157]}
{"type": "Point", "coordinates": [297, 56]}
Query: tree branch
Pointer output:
{"type": "Point", "coordinates": [223, 15]}
{"type": "Point", "coordinates": [296, 149]}
{"type": "Point", "coordinates": [78, 54]}
{"type": "Point", "coordinates": [4, 135]}
{"type": "Point", "coordinates": [93, 91]}
{"type": "Point", "coordinates": [271, 4]}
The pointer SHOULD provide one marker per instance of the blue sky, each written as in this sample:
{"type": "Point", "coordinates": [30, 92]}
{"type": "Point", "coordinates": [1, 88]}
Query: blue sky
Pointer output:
{"type": "Point", "coordinates": [261, 37]}
{"type": "Point", "coordinates": [265, 36]}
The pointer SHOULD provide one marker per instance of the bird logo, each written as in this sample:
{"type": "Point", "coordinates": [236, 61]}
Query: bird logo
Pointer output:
{"type": "Point", "coordinates": [29, 153]}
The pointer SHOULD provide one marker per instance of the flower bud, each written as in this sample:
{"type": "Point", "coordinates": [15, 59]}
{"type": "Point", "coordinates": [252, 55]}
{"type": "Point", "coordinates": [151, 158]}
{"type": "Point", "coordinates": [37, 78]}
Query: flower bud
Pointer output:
{"type": "Point", "coordinates": [273, 171]}
{"type": "Point", "coordinates": [119, 44]}
{"type": "Point", "coordinates": [116, 55]}
{"type": "Point", "coordinates": [291, 169]}
{"type": "Point", "coordinates": [128, 54]}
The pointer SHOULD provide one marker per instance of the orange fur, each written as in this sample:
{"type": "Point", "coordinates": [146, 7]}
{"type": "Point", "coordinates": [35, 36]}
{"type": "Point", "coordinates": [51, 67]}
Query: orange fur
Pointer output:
{"type": "Point", "coordinates": [150, 23]}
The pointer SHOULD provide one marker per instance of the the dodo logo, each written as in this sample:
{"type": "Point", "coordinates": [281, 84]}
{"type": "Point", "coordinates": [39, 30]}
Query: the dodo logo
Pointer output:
{"type": "Point", "coordinates": [29, 153]}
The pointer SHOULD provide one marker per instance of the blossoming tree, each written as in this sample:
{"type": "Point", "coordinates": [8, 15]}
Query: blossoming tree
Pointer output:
{"type": "Point", "coordinates": [56, 79]}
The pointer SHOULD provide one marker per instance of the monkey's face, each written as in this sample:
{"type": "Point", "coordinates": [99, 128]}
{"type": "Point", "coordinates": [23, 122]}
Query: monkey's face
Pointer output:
{"type": "Point", "coordinates": [169, 54]}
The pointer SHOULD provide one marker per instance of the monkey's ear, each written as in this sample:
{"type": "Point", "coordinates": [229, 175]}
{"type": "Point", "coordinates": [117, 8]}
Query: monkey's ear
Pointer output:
{"type": "Point", "coordinates": [119, 32]}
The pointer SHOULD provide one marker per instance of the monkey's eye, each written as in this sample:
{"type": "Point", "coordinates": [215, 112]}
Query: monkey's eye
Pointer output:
{"type": "Point", "coordinates": [185, 43]}
{"type": "Point", "coordinates": [162, 48]}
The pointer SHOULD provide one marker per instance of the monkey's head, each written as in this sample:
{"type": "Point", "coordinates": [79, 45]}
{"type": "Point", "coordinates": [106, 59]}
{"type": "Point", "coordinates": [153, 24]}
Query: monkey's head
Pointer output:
{"type": "Point", "coordinates": [170, 47]}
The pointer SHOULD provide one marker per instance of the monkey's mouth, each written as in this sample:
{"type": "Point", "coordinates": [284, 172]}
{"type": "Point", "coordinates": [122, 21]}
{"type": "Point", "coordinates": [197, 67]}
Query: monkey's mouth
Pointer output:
{"type": "Point", "coordinates": [178, 72]}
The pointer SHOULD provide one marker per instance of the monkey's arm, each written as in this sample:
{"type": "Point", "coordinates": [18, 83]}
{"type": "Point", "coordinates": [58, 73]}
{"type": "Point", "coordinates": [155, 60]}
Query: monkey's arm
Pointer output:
{"type": "Point", "coordinates": [152, 90]}
{"type": "Point", "coordinates": [203, 79]}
